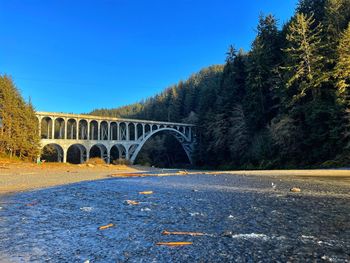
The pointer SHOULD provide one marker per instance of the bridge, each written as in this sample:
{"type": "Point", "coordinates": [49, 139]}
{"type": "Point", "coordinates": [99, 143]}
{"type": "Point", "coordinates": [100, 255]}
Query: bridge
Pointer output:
{"type": "Point", "coordinates": [80, 137]}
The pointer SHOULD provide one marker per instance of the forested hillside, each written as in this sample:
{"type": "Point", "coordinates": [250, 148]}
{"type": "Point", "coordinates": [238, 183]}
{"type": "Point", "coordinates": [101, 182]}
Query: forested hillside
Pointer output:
{"type": "Point", "coordinates": [284, 103]}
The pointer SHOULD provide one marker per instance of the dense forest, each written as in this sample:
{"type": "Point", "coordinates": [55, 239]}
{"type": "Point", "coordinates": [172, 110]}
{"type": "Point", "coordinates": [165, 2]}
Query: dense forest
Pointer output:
{"type": "Point", "coordinates": [284, 103]}
{"type": "Point", "coordinates": [19, 135]}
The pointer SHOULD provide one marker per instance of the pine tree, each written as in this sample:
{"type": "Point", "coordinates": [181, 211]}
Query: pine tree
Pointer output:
{"type": "Point", "coordinates": [263, 62]}
{"type": "Point", "coordinates": [304, 61]}
{"type": "Point", "coordinates": [312, 7]}
{"type": "Point", "coordinates": [19, 125]}
{"type": "Point", "coordinates": [342, 68]}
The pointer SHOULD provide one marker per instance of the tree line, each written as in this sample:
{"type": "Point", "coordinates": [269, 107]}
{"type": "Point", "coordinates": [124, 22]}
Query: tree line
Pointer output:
{"type": "Point", "coordinates": [284, 103]}
{"type": "Point", "coordinates": [19, 125]}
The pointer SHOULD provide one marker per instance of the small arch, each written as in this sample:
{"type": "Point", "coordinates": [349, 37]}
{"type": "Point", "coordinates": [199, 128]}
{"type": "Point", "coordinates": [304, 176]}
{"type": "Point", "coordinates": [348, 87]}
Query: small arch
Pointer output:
{"type": "Point", "coordinates": [76, 154]}
{"type": "Point", "coordinates": [139, 130]}
{"type": "Point", "coordinates": [93, 130]}
{"type": "Point", "coordinates": [72, 129]}
{"type": "Point", "coordinates": [154, 127]}
{"type": "Point", "coordinates": [46, 128]}
{"type": "Point", "coordinates": [83, 130]}
{"type": "Point", "coordinates": [122, 131]}
{"type": "Point", "coordinates": [59, 128]}
{"type": "Point", "coordinates": [104, 131]}
{"type": "Point", "coordinates": [131, 127]}
{"type": "Point", "coordinates": [114, 131]}
{"type": "Point", "coordinates": [147, 128]}
{"type": "Point", "coordinates": [99, 151]}
{"type": "Point", "coordinates": [52, 153]}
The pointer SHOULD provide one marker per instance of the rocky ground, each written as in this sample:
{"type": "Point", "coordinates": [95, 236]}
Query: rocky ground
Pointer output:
{"type": "Point", "coordinates": [233, 217]}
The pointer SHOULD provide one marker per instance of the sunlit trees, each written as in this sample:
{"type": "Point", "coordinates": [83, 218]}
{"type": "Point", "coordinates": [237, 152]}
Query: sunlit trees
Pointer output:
{"type": "Point", "coordinates": [19, 125]}
{"type": "Point", "coordinates": [285, 102]}
{"type": "Point", "coordinates": [304, 60]}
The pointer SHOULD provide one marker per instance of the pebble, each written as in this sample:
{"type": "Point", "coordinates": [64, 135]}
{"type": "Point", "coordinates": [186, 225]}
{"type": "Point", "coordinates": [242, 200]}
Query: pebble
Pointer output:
{"type": "Point", "coordinates": [295, 190]}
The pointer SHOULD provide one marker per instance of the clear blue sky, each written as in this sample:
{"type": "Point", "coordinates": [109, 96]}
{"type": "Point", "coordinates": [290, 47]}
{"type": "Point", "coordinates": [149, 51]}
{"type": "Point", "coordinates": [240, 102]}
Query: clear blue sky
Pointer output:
{"type": "Point", "coordinates": [75, 56]}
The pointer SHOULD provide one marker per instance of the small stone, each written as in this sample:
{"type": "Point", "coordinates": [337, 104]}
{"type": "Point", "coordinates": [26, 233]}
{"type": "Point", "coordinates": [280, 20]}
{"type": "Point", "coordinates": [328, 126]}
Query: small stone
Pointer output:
{"type": "Point", "coordinates": [194, 190]}
{"type": "Point", "coordinates": [295, 190]}
{"type": "Point", "coordinates": [90, 165]}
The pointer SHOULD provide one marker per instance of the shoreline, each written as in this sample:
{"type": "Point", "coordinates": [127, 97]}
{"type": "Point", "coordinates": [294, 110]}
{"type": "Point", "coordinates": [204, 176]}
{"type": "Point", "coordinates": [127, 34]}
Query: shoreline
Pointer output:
{"type": "Point", "coordinates": [21, 177]}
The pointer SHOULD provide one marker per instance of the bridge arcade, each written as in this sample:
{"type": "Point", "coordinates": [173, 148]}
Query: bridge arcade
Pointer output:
{"type": "Point", "coordinates": [109, 138]}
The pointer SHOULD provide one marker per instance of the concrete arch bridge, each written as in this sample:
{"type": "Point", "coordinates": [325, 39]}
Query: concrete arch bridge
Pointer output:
{"type": "Point", "coordinates": [76, 138]}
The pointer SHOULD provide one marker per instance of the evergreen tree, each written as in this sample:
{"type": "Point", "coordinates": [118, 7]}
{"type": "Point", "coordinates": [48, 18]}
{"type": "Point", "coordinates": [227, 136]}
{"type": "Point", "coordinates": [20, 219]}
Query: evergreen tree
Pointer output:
{"type": "Point", "coordinates": [263, 62]}
{"type": "Point", "coordinates": [304, 61]}
{"type": "Point", "coordinates": [19, 125]}
{"type": "Point", "coordinates": [342, 68]}
{"type": "Point", "coordinates": [316, 8]}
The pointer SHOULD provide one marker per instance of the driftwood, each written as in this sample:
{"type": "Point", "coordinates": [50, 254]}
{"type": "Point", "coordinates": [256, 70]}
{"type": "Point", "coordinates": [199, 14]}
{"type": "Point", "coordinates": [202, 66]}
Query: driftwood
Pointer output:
{"type": "Point", "coordinates": [174, 244]}
{"type": "Point", "coordinates": [183, 233]}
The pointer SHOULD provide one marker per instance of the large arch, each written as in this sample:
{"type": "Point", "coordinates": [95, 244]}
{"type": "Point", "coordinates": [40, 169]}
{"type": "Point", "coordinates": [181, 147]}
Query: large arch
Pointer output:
{"type": "Point", "coordinates": [117, 152]}
{"type": "Point", "coordinates": [52, 152]}
{"type": "Point", "coordinates": [181, 138]}
{"type": "Point", "coordinates": [99, 151]}
{"type": "Point", "coordinates": [76, 154]}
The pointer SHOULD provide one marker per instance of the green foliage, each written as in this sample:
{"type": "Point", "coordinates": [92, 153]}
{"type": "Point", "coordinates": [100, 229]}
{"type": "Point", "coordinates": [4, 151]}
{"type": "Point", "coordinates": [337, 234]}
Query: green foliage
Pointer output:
{"type": "Point", "coordinates": [304, 60]}
{"type": "Point", "coordinates": [285, 103]}
{"type": "Point", "coordinates": [342, 68]}
{"type": "Point", "coordinates": [19, 125]}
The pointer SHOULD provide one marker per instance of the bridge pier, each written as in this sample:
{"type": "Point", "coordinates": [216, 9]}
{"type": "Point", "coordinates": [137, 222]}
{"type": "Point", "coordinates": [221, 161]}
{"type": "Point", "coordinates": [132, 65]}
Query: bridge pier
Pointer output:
{"type": "Point", "coordinates": [65, 151]}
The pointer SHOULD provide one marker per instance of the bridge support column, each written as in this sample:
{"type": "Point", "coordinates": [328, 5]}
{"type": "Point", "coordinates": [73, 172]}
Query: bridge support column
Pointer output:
{"type": "Point", "coordinates": [77, 129]}
{"type": "Point", "coordinates": [118, 131]}
{"type": "Point", "coordinates": [65, 128]}
{"type": "Point", "coordinates": [88, 131]}
{"type": "Point", "coordinates": [135, 131]}
{"type": "Point", "coordinates": [98, 130]}
{"type": "Point", "coordinates": [53, 128]}
{"type": "Point", "coordinates": [108, 156]}
{"type": "Point", "coordinates": [39, 130]}
{"type": "Point", "coordinates": [65, 152]}
{"type": "Point", "coordinates": [143, 131]}
{"type": "Point", "coordinates": [109, 131]}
